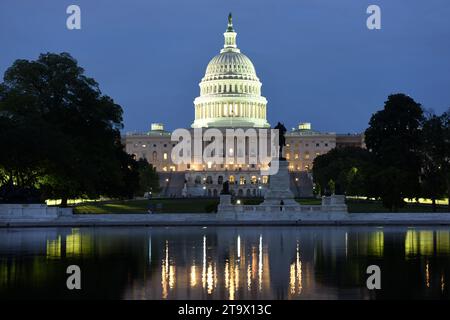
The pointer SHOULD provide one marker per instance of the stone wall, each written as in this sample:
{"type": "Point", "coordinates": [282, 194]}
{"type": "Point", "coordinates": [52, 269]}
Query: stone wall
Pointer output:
{"type": "Point", "coordinates": [18, 211]}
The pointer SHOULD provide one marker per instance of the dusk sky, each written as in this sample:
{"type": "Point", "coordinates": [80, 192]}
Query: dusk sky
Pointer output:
{"type": "Point", "coordinates": [317, 60]}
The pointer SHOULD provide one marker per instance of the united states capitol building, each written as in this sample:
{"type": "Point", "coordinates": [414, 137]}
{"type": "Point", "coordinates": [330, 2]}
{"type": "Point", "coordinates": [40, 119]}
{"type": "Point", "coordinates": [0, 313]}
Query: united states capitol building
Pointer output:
{"type": "Point", "coordinates": [231, 97]}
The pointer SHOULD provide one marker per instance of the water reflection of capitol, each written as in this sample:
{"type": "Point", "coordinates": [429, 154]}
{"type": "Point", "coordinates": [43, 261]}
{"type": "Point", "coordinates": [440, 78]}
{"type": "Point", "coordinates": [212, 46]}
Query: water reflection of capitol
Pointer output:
{"type": "Point", "coordinates": [262, 264]}
{"type": "Point", "coordinates": [232, 263]}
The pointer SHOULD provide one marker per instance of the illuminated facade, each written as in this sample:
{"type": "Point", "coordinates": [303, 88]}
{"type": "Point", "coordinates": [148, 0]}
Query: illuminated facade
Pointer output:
{"type": "Point", "coordinates": [230, 97]}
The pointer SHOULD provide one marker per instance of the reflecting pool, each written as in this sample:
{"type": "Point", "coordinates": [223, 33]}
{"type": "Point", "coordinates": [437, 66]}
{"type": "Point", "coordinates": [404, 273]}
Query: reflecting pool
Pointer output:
{"type": "Point", "coordinates": [225, 262]}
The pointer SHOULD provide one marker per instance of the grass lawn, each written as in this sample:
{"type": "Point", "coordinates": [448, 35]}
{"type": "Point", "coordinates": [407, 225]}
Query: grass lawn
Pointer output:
{"type": "Point", "coordinates": [199, 205]}
{"type": "Point", "coordinates": [303, 201]}
{"type": "Point", "coordinates": [142, 206]}
{"type": "Point", "coordinates": [367, 206]}
{"type": "Point", "coordinates": [193, 205]}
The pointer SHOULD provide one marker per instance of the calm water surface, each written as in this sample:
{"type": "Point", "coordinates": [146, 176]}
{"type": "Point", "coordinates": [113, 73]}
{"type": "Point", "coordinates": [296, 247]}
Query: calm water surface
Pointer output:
{"type": "Point", "coordinates": [226, 262]}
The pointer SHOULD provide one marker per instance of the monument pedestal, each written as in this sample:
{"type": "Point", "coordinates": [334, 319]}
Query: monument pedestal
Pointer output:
{"type": "Point", "coordinates": [334, 203]}
{"type": "Point", "coordinates": [225, 203]}
{"type": "Point", "coordinates": [279, 189]}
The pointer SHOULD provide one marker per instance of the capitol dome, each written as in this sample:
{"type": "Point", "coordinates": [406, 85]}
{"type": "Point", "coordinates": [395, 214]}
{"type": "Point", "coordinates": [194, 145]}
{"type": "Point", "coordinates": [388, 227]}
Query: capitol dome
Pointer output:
{"type": "Point", "coordinates": [230, 65]}
{"type": "Point", "coordinates": [230, 91]}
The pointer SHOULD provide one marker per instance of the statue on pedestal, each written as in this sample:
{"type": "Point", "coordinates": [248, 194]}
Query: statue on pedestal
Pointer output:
{"type": "Point", "coordinates": [225, 188]}
{"type": "Point", "coordinates": [281, 139]}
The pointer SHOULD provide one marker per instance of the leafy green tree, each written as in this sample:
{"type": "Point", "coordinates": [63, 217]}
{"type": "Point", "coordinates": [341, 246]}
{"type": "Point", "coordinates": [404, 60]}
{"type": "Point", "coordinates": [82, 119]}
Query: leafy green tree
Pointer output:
{"type": "Point", "coordinates": [445, 118]}
{"type": "Point", "coordinates": [148, 178]}
{"type": "Point", "coordinates": [331, 186]}
{"type": "Point", "coordinates": [62, 135]}
{"type": "Point", "coordinates": [435, 158]}
{"type": "Point", "coordinates": [393, 137]}
{"type": "Point", "coordinates": [336, 165]}
{"type": "Point", "coordinates": [355, 182]}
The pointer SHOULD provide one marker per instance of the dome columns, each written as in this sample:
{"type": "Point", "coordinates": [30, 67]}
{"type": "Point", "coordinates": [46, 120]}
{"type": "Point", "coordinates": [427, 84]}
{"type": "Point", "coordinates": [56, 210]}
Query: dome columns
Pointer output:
{"type": "Point", "coordinates": [230, 91]}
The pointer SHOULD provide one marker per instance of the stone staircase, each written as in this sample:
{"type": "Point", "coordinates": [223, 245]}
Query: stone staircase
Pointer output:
{"type": "Point", "coordinates": [174, 185]}
{"type": "Point", "coordinates": [301, 184]}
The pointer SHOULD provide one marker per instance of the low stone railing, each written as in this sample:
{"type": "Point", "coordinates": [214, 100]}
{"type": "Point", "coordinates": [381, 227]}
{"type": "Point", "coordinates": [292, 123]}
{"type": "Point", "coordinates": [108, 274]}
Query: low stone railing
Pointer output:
{"type": "Point", "coordinates": [18, 211]}
{"type": "Point", "coordinates": [334, 203]}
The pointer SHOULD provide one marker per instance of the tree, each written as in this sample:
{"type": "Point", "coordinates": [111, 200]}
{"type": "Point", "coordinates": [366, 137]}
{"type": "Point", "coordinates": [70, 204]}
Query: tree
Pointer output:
{"type": "Point", "coordinates": [445, 118]}
{"type": "Point", "coordinates": [60, 132]}
{"type": "Point", "coordinates": [148, 178]}
{"type": "Point", "coordinates": [355, 182]}
{"type": "Point", "coordinates": [336, 165]}
{"type": "Point", "coordinates": [393, 137]}
{"type": "Point", "coordinates": [435, 157]}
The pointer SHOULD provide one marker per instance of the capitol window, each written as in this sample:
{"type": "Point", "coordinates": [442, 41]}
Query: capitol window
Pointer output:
{"type": "Point", "coordinates": [165, 155]}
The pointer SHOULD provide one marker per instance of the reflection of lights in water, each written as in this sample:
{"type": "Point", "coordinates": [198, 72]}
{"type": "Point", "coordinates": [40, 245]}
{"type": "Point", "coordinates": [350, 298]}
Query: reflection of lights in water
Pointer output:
{"type": "Point", "coordinates": [227, 274]}
{"type": "Point", "coordinates": [165, 278]}
{"type": "Point", "coordinates": [54, 248]}
{"type": "Point", "coordinates": [78, 244]}
{"type": "Point", "coordinates": [442, 283]}
{"type": "Point", "coordinates": [164, 282]}
{"type": "Point", "coordinates": [167, 257]}
{"type": "Point", "coordinates": [210, 279]}
{"type": "Point", "coordinates": [376, 243]}
{"type": "Point", "coordinates": [239, 247]}
{"type": "Point", "coordinates": [443, 241]}
{"type": "Point", "coordinates": [249, 277]}
{"type": "Point", "coordinates": [292, 278]}
{"type": "Point", "coordinates": [419, 242]}
{"type": "Point", "coordinates": [171, 277]}
{"type": "Point", "coordinates": [231, 284]}
{"type": "Point", "coordinates": [236, 276]}
{"type": "Point", "coordinates": [193, 276]}
{"type": "Point", "coordinates": [427, 275]}
{"type": "Point", "coordinates": [231, 278]}
{"type": "Point", "coordinates": [299, 270]}
{"type": "Point", "coordinates": [215, 275]}
{"type": "Point", "coordinates": [295, 274]}
{"type": "Point", "coordinates": [204, 263]}
{"type": "Point", "coordinates": [260, 263]}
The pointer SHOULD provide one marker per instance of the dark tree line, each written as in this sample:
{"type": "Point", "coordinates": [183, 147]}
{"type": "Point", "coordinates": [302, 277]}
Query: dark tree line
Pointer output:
{"type": "Point", "coordinates": [60, 136]}
{"type": "Point", "coordinates": [407, 156]}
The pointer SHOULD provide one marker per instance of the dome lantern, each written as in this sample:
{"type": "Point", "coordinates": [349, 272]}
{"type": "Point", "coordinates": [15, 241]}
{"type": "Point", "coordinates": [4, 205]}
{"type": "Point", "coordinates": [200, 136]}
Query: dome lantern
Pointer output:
{"type": "Point", "coordinates": [230, 37]}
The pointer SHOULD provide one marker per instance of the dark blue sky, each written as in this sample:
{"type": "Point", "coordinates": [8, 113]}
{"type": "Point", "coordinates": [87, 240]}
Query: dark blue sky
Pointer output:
{"type": "Point", "coordinates": [316, 59]}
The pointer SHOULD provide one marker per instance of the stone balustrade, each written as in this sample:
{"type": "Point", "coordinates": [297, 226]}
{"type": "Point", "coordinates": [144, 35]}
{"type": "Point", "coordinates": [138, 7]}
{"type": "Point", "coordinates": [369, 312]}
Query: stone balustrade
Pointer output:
{"type": "Point", "coordinates": [38, 211]}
